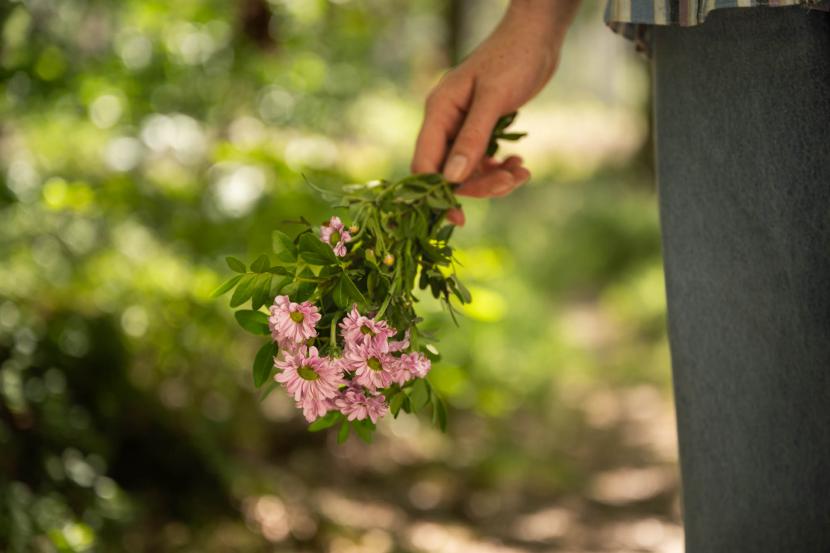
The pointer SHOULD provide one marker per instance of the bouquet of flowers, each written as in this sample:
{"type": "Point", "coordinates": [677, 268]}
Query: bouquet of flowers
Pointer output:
{"type": "Point", "coordinates": [343, 336]}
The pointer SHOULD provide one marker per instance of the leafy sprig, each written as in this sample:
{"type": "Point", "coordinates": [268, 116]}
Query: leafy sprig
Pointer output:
{"type": "Point", "coordinates": [400, 240]}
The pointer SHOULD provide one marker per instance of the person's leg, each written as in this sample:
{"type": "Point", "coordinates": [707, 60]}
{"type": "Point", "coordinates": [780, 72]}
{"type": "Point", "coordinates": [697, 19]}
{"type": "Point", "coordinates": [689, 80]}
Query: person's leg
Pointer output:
{"type": "Point", "coordinates": [742, 112]}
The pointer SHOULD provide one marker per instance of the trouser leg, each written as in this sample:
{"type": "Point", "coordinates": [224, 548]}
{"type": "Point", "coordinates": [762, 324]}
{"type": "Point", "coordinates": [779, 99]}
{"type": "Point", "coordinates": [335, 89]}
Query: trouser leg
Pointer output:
{"type": "Point", "coordinates": [742, 111]}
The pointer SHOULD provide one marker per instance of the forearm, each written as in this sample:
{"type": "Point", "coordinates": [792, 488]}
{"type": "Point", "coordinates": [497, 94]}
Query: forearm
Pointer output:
{"type": "Point", "coordinates": [548, 16]}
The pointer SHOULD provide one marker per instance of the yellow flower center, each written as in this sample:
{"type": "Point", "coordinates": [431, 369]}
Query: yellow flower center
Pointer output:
{"type": "Point", "coordinates": [297, 316]}
{"type": "Point", "coordinates": [307, 373]}
{"type": "Point", "coordinates": [374, 364]}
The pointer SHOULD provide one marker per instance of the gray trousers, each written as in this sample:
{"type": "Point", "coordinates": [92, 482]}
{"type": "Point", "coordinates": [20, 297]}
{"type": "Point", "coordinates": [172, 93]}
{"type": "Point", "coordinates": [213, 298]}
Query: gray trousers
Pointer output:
{"type": "Point", "coordinates": [742, 125]}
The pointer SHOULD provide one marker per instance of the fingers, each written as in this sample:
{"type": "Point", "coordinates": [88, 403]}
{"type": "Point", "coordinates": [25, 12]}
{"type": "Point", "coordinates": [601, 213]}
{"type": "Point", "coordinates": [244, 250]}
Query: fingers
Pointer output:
{"type": "Point", "coordinates": [490, 163]}
{"type": "Point", "coordinates": [470, 144]}
{"type": "Point", "coordinates": [498, 181]}
{"type": "Point", "coordinates": [443, 116]}
{"type": "Point", "coordinates": [493, 178]}
{"type": "Point", "coordinates": [456, 216]}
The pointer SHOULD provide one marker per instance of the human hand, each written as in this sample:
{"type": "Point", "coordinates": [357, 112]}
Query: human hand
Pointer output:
{"type": "Point", "coordinates": [509, 68]}
{"type": "Point", "coordinates": [490, 178]}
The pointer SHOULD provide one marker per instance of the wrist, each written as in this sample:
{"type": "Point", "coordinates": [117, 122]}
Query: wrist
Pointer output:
{"type": "Point", "coordinates": [548, 16]}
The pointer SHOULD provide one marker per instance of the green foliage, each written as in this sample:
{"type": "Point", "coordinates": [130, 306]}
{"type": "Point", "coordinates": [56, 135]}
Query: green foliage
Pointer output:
{"type": "Point", "coordinates": [398, 233]}
{"type": "Point", "coordinates": [236, 265]}
{"type": "Point", "coordinates": [145, 141]}
{"type": "Point", "coordinates": [284, 247]}
{"type": "Point", "coordinates": [500, 134]}
{"type": "Point", "coordinates": [326, 421]}
{"type": "Point", "coordinates": [398, 237]}
{"type": "Point", "coordinates": [315, 252]}
{"type": "Point", "coordinates": [264, 362]}
{"type": "Point", "coordinates": [255, 322]}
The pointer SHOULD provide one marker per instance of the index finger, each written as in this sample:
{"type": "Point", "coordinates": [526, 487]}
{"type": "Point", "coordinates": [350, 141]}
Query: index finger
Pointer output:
{"type": "Point", "coordinates": [444, 114]}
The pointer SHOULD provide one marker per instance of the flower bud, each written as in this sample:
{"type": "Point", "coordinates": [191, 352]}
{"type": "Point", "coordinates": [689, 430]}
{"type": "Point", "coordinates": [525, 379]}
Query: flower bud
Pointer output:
{"type": "Point", "coordinates": [389, 260]}
{"type": "Point", "coordinates": [353, 229]}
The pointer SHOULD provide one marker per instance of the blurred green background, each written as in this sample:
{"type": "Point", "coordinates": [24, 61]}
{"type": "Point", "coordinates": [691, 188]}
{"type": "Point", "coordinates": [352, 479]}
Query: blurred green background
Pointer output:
{"type": "Point", "coordinates": [141, 141]}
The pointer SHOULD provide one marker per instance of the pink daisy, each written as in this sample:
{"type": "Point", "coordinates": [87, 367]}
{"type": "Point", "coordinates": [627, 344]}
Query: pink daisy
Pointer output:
{"type": "Point", "coordinates": [400, 345]}
{"type": "Point", "coordinates": [355, 404]}
{"type": "Point", "coordinates": [309, 378]}
{"type": "Point", "coordinates": [292, 322]}
{"type": "Point", "coordinates": [335, 234]}
{"type": "Point", "coordinates": [358, 330]}
{"type": "Point", "coordinates": [314, 408]}
{"type": "Point", "coordinates": [410, 366]}
{"type": "Point", "coordinates": [372, 367]}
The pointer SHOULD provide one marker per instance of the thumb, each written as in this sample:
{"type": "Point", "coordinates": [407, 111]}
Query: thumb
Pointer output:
{"type": "Point", "coordinates": [471, 143]}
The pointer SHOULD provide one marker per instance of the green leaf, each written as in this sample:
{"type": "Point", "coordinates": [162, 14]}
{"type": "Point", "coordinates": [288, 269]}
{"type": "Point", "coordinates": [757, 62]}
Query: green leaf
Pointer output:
{"type": "Point", "coordinates": [499, 134]}
{"type": "Point", "coordinates": [351, 290]}
{"type": "Point", "coordinates": [260, 264]}
{"type": "Point", "coordinates": [339, 295]}
{"type": "Point", "coordinates": [419, 394]}
{"type": "Point", "coordinates": [512, 135]}
{"type": "Point", "coordinates": [452, 311]}
{"type": "Point", "coordinates": [439, 413]}
{"type": "Point", "coordinates": [364, 429]}
{"type": "Point", "coordinates": [460, 290]}
{"type": "Point", "coordinates": [314, 251]}
{"type": "Point", "coordinates": [492, 148]}
{"type": "Point", "coordinates": [445, 233]}
{"type": "Point", "coordinates": [437, 202]}
{"type": "Point", "coordinates": [505, 121]}
{"type": "Point", "coordinates": [432, 253]}
{"type": "Point", "coordinates": [255, 322]}
{"type": "Point", "coordinates": [306, 288]}
{"type": "Point", "coordinates": [395, 403]}
{"type": "Point", "coordinates": [343, 433]}
{"type": "Point", "coordinates": [423, 279]}
{"type": "Point", "coordinates": [329, 271]}
{"type": "Point", "coordinates": [235, 264]}
{"type": "Point", "coordinates": [279, 270]}
{"type": "Point", "coordinates": [263, 363]}
{"type": "Point", "coordinates": [371, 283]}
{"type": "Point", "coordinates": [225, 286]}
{"type": "Point", "coordinates": [244, 290]}
{"type": "Point", "coordinates": [262, 291]}
{"type": "Point", "coordinates": [278, 284]}
{"type": "Point", "coordinates": [327, 421]}
{"type": "Point", "coordinates": [283, 246]}
{"type": "Point", "coordinates": [408, 196]}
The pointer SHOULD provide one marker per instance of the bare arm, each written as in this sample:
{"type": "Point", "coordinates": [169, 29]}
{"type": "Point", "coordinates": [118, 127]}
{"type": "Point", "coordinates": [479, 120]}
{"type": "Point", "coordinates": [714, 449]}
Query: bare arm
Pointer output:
{"type": "Point", "coordinates": [504, 72]}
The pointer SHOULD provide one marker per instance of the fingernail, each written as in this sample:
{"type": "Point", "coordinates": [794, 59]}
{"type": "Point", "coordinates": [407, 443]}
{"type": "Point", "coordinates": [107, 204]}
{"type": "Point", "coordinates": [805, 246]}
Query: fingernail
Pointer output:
{"type": "Point", "coordinates": [455, 167]}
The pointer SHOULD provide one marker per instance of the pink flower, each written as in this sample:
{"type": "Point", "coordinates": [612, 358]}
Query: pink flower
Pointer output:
{"type": "Point", "coordinates": [400, 345]}
{"type": "Point", "coordinates": [314, 408]}
{"type": "Point", "coordinates": [358, 330]}
{"type": "Point", "coordinates": [372, 367]}
{"type": "Point", "coordinates": [309, 378]}
{"type": "Point", "coordinates": [352, 324]}
{"type": "Point", "coordinates": [292, 322]}
{"type": "Point", "coordinates": [335, 234]}
{"type": "Point", "coordinates": [355, 404]}
{"type": "Point", "coordinates": [410, 366]}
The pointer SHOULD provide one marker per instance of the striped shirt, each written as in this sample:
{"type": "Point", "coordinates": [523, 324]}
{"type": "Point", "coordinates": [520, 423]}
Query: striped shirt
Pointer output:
{"type": "Point", "coordinates": [632, 18]}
